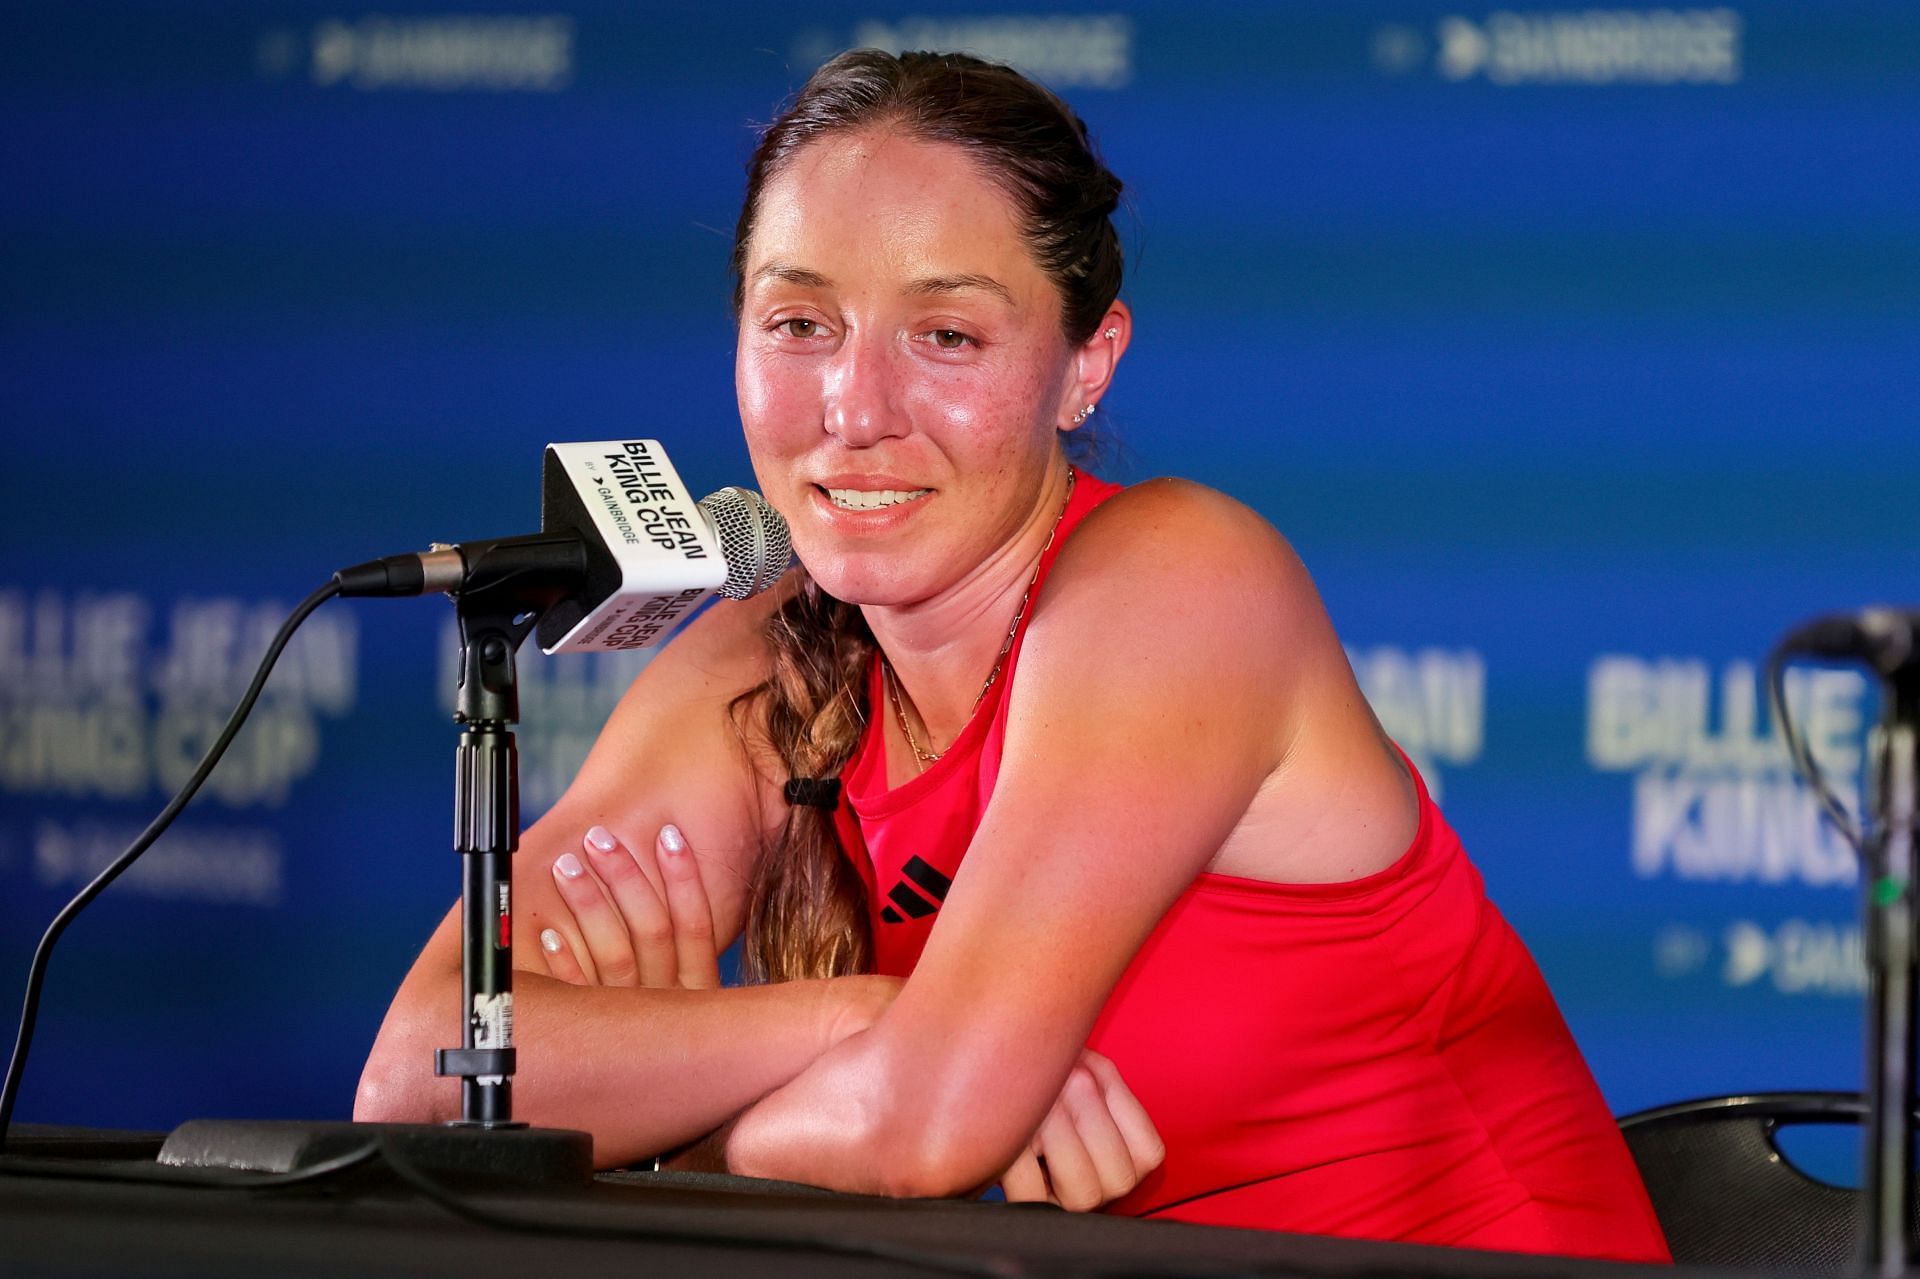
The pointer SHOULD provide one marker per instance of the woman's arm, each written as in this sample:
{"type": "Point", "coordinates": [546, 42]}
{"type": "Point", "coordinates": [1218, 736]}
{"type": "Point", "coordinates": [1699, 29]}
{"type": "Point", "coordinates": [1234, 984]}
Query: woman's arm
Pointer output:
{"type": "Point", "coordinates": [1160, 686]}
{"type": "Point", "coordinates": [1095, 1144]}
{"type": "Point", "coordinates": [642, 1069]}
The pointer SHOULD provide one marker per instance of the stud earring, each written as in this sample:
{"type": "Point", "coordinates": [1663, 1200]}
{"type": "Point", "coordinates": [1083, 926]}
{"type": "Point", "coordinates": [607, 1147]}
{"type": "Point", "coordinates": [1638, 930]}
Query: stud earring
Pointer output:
{"type": "Point", "coordinates": [1083, 415]}
{"type": "Point", "coordinates": [1111, 334]}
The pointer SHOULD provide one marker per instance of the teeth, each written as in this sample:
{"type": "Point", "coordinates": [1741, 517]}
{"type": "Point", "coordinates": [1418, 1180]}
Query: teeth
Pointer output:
{"type": "Point", "coordinates": [874, 499]}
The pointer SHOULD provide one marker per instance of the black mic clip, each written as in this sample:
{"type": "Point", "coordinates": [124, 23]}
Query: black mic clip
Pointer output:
{"type": "Point", "coordinates": [1883, 637]}
{"type": "Point", "coordinates": [536, 570]}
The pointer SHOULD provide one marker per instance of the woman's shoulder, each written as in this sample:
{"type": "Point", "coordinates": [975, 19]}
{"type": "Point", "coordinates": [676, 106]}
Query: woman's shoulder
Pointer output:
{"type": "Point", "coordinates": [1171, 496]}
{"type": "Point", "coordinates": [1171, 566]}
{"type": "Point", "coordinates": [1177, 534]}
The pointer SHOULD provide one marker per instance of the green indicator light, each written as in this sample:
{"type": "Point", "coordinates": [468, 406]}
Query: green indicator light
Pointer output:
{"type": "Point", "coordinates": [1888, 891]}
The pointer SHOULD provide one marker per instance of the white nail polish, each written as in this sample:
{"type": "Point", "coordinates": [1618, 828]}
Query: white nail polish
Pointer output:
{"type": "Point", "coordinates": [671, 839]}
{"type": "Point", "coordinates": [570, 866]}
{"type": "Point", "coordinates": [601, 838]}
{"type": "Point", "coordinates": [549, 941]}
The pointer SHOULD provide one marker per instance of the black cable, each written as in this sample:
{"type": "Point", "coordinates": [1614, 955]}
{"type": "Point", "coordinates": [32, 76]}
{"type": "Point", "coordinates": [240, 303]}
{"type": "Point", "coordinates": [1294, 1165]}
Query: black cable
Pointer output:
{"type": "Point", "coordinates": [462, 1207]}
{"type": "Point", "coordinates": [405, 1169]}
{"type": "Point", "coordinates": [37, 973]}
{"type": "Point", "coordinates": [1803, 760]}
{"type": "Point", "coordinates": [75, 1169]}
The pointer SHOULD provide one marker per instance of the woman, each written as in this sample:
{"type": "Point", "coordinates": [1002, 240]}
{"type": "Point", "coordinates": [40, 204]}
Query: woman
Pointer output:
{"type": "Point", "coordinates": [1184, 887]}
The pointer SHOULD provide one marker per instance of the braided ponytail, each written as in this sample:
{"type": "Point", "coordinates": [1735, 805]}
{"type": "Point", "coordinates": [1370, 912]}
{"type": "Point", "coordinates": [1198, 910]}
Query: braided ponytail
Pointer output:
{"type": "Point", "coordinates": [807, 913]}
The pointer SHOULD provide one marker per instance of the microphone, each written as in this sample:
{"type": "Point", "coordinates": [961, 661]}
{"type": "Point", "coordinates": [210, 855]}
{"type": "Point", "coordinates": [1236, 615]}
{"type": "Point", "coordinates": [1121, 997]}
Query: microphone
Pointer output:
{"type": "Point", "coordinates": [623, 555]}
{"type": "Point", "coordinates": [1883, 637]}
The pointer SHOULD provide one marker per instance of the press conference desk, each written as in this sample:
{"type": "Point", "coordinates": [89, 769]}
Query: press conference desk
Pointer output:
{"type": "Point", "coordinates": [629, 1224]}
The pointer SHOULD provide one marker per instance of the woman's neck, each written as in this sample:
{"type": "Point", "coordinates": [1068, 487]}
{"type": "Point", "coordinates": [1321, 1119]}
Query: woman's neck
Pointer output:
{"type": "Point", "coordinates": [942, 651]}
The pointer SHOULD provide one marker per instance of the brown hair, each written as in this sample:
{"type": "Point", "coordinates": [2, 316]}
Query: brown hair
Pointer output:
{"type": "Point", "coordinates": [807, 916]}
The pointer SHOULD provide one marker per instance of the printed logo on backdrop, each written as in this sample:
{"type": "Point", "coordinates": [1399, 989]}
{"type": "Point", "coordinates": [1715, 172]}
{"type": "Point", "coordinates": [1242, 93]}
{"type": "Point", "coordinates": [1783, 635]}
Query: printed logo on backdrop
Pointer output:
{"type": "Point", "coordinates": [1793, 957]}
{"type": "Point", "coordinates": [1569, 47]}
{"type": "Point", "coordinates": [564, 703]}
{"type": "Point", "coordinates": [1715, 800]}
{"type": "Point", "coordinates": [434, 53]}
{"type": "Point", "coordinates": [1715, 797]}
{"type": "Point", "coordinates": [108, 701]}
{"type": "Point", "coordinates": [1062, 51]}
{"type": "Point", "coordinates": [1432, 701]}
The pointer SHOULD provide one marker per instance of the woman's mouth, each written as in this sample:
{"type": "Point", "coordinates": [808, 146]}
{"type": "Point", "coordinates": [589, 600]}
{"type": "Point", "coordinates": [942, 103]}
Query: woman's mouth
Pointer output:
{"type": "Point", "coordinates": [871, 499]}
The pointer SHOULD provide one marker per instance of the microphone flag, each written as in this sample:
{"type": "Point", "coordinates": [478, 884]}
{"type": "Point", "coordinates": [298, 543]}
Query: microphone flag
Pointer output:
{"type": "Point", "coordinates": [653, 556]}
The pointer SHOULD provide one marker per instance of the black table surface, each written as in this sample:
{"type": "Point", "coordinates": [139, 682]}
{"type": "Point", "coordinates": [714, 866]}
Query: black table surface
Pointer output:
{"type": "Point", "coordinates": [77, 1201]}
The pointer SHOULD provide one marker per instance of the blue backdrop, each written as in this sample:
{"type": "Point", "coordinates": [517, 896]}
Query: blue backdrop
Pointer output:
{"type": "Point", "coordinates": [1575, 349]}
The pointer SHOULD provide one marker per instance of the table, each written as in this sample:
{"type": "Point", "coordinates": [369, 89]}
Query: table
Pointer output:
{"type": "Point", "coordinates": [61, 1214]}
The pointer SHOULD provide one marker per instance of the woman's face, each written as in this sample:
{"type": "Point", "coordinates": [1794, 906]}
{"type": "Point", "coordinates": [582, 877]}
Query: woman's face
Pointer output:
{"type": "Point", "coordinates": [901, 369]}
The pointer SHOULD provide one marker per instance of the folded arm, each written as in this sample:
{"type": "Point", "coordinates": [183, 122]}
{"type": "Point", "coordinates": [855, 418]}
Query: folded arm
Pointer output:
{"type": "Point", "coordinates": [644, 1069]}
{"type": "Point", "coordinates": [1124, 771]}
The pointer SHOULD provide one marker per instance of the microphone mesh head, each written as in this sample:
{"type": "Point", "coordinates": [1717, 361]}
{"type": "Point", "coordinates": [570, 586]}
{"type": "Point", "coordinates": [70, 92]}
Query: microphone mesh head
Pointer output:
{"type": "Point", "coordinates": [753, 540]}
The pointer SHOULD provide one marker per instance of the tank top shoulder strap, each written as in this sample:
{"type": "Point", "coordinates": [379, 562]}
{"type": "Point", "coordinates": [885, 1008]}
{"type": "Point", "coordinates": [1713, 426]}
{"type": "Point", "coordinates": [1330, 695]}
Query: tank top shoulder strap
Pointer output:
{"type": "Point", "coordinates": [865, 776]}
{"type": "Point", "coordinates": [1089, 491]}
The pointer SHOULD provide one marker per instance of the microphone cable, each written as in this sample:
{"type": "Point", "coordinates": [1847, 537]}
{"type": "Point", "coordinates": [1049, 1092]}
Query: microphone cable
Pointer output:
{"type": "Point", "coordinates": [384, 1152]}
{"type": "Point", "coordinates": [1802, 755]}
{"type": "Point", "coordinates": [37, 972]}
{"type": "Point", "coordinates": [444, 1196]}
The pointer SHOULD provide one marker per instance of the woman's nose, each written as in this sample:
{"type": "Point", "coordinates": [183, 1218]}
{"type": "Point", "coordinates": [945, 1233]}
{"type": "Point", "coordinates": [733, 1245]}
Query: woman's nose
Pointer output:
{"type": "Point", "coordinates": [862, 406]}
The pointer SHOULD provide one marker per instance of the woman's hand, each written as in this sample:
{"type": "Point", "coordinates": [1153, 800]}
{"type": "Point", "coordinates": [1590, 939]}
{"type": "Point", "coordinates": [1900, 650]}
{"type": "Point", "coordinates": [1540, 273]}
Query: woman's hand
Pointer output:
{"type": "Point", "coordinates": [645, 919]}
{"type": "Point", "coordinates": [1094, 1146]}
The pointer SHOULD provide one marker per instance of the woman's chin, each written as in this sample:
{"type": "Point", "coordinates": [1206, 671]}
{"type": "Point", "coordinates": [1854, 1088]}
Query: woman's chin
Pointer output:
{"type": "Point", "coordinates": [847, 578]}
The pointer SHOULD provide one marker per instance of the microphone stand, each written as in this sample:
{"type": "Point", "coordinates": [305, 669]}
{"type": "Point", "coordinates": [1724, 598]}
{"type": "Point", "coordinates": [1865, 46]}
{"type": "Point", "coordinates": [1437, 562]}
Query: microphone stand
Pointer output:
{"type": "Point", "coordinates": [486, 831]}
{"type": "Point", "coordinates": [1891, 969]}
{"type": "Point", "coordinates": [509, 587]}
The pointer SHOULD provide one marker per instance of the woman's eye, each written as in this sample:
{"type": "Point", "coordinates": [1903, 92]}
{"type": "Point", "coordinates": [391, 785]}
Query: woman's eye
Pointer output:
{"type": "Point", "coordinates": [951, 339]}
{"type": "Point", "coordinates": [798, 327]}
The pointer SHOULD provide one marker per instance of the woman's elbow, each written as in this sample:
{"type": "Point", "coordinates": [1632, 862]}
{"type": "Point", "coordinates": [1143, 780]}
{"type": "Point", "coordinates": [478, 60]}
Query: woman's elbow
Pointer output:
{"type": "Point", "coordinates": [384, 1097]}
{"type": "Point", "coordinates": [852, 1139]}
{"type": "Point", "coordinates": [929, 1170]}
{"type": "Point", "coordinates": [922, 1156]}
{"type": "Point", "coordinates": [397, 1091]}
{"type": "Point", "coordinates": [398, 1085]}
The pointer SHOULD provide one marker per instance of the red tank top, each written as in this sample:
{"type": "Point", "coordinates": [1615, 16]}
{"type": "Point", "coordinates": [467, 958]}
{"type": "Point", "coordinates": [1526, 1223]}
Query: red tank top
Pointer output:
{"type": "Point", "coordinates": [1376, 1059]}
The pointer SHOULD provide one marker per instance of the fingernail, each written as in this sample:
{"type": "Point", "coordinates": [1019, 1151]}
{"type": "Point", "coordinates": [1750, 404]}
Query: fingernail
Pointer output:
{"type": "Point", "coordinates": [570, 866]}
{"type": "Point", "coordinates": [549, 941]}
{"type": "Point", "coordinates": [671, 839]}
{"type": "Point", "coordinates": [601, 838]}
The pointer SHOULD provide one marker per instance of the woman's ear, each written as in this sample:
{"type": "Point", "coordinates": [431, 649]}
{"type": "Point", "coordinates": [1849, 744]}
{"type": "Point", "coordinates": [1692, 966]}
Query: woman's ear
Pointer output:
{"type": "Point", "coordinates": [1093, 364]}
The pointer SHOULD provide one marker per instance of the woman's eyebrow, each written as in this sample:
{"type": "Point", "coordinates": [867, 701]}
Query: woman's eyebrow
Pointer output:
{"type": "Point", "coordinates": [925, 286]}
{"type": "Point", "coordinates": [792, 275]}
{"type": "Point", "coordinates": [941, 284]}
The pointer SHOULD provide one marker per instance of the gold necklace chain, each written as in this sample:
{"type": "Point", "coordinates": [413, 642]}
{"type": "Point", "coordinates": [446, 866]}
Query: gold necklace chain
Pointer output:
{"type": "Point", "coordinates": [999, 662]}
